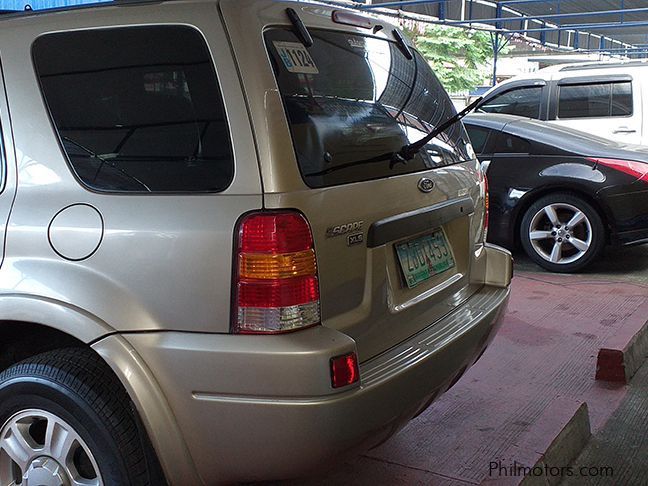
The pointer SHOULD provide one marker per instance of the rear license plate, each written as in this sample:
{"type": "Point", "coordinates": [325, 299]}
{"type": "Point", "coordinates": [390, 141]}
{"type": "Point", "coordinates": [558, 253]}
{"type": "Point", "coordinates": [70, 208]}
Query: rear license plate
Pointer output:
{"type": "Point", "coordinates": [424, 257]}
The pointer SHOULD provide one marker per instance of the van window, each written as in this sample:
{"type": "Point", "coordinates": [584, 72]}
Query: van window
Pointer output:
{"type": "Point", "coordinates": [523, 101]}
{"type": "Point", "coordinates": [350, 99]}
{"type": "Point", "coordinates": [137, 109]}
{"type": "Point", "coordinates": [595, 100]}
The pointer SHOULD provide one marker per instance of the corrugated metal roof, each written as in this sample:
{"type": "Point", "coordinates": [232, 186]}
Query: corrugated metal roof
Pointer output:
{"type": "Point", "coordinates": [636, 35]}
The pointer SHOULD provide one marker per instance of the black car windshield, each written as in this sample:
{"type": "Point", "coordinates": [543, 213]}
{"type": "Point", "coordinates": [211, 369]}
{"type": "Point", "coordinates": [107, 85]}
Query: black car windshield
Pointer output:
{"type": "Point", "coordinates": [350, 98]}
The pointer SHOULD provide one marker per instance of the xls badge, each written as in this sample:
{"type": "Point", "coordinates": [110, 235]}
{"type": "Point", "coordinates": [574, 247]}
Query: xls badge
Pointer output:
{"type": "Point", "coordinates": [355, 239]}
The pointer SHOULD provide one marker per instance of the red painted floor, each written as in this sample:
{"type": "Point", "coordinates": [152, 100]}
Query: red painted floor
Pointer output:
{"type": "Point", "coordinates": [504, 407]}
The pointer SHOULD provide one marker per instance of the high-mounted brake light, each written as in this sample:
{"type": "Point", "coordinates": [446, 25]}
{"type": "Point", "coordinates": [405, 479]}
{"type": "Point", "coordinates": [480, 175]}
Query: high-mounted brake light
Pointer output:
{"type": "Point", "coordinates": [349, 18]}
{"type": "Point", "coordinates": [276, 287]}
{"type": "Point", "coordinates": [630, 167]}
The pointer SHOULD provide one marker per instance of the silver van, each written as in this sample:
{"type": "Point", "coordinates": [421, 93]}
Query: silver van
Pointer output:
{"type": "Point", "coordinates": [223, 258]}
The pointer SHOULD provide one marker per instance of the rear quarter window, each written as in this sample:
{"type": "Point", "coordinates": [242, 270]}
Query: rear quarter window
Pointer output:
{"type": "Point", "coordinates": [511, 144]}
{"type": "Point", "coordinates": [478, 137]}
{"type": "Point", "coordinates": [137, 109]}
{"type": "Point", "coordinates": [596, 100]}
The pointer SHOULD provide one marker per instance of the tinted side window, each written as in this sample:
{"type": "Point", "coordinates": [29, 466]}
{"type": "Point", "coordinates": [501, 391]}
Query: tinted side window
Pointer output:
{"type": "Point", "coordinates": [518, 101]}
{"type": "Point", "coordinates": [478, 137]}
{"type": "Point", "coordinates": [621, 99]}
{"type": "Point", "coordinates": [137, 109]}
{"type": "Point", "coordinates": [595, 100]}
{"type": "Point", "coordinates": [510, 144]}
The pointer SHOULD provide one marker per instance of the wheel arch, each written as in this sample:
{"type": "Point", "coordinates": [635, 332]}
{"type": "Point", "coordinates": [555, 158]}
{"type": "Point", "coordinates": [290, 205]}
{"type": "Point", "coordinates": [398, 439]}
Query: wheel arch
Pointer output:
{"type": "Point", "coordinates": [31, 325]}
{"type": "Point", "coordinates": [153, 408]}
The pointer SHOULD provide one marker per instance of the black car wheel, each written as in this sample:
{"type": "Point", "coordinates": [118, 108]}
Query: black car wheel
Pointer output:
{"type": "Point", "coordinates": [562, 233]}
{"type": "Point", "coordinates": [65, 419]}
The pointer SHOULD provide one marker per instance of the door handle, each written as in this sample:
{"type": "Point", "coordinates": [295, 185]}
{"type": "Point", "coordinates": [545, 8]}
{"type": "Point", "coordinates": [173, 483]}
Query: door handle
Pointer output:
{"type": "Point", "coordinates": [625, 130]}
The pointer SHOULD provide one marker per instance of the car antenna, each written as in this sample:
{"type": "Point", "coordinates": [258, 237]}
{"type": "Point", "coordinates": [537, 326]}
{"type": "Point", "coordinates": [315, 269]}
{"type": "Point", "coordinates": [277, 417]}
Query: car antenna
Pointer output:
{"type": "Point", "coordinates": [300, 28]}
{"type": "Point", "coordinates": [402, 44]}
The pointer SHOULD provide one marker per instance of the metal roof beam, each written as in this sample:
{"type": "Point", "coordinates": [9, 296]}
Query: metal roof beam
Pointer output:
{"type": "Point", "coordinates": [520, 2]}
{"type": "Point", "coordinates": [599, 13]}
{"type": "Point", "coordinates": [600, 25]}
{"type": "Point", "coordinates": [404, 3]}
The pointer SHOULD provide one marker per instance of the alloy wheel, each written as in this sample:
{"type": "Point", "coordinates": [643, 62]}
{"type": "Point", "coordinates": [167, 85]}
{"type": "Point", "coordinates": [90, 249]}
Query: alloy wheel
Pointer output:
{"type": "Point", "coordinates": [560, 233]}
{"type": "Point", "coordinates": [40, 448]}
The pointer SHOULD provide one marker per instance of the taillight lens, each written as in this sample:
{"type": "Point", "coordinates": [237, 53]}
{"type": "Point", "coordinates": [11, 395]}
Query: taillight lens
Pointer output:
{"type": "Point", "coordinates": [486, 207]}
{"type": "Point", "coordinates": [630, 167]}
{"type": "Point", "coordinates": [276, 287]}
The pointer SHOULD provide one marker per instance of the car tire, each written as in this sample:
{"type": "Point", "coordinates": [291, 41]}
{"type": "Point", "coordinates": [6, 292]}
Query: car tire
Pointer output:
{"type": "Point", "coordinates": [63, 416]}
{"type": "Point", "coordinates": [561, 232]}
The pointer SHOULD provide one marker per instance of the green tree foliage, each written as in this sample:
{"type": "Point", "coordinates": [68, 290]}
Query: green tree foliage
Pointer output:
{"type": "Point", "coordinates": [459, 57]}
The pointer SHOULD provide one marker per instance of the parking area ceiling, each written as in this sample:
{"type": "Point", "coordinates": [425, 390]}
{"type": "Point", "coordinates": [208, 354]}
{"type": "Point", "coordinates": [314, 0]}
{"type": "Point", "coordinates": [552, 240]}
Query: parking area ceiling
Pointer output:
{"type": "Point", "coordinates": [592, 25]}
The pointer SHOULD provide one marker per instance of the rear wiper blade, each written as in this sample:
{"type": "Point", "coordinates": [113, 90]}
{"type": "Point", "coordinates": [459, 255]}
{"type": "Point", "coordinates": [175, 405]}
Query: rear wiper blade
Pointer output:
{"type": "Point", "coordinates": [300, 28]}
{"type": "Point", "coordinates": [409, 151]}
{"type": "Point", "coordinates": [378, 158]}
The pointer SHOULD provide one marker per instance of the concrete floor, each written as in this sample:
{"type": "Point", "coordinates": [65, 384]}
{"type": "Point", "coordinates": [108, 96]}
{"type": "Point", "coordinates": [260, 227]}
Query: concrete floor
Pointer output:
{"type": "Point", "coordinates": [626, 264]}
{"type": "Point", "coordinates": [620, 449]}
{"type": "Point", "coordinates": [542, 361]}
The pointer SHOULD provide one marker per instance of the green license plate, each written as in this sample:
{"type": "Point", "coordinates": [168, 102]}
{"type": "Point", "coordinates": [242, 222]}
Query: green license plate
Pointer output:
{"type": "Point", "coordinates": [424, 257]}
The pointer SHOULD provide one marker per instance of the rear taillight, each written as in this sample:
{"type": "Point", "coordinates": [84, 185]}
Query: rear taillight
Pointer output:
{"type": "Point", "coordinates": [276, 287]}
{"type": "Point", "coordinates": [486, 207]}
{"type": "Point", "coordinates": [635, 169]}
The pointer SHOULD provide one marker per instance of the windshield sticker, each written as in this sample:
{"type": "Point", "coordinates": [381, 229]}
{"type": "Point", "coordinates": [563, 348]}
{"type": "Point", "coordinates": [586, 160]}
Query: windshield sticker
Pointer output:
{"type": "Point", "coordinates": [295, 57]}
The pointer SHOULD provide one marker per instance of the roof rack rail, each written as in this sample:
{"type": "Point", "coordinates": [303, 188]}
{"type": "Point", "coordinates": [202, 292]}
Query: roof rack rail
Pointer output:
{"type": "Point", "coordinates": [603, 65]}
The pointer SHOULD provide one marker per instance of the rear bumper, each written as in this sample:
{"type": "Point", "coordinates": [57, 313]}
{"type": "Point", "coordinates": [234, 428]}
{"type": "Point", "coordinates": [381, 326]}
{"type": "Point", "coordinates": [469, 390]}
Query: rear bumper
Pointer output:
{"type": "Point", "coordinates": [628, 213]}
{"type": "Point", "coordinates": [261, 407]}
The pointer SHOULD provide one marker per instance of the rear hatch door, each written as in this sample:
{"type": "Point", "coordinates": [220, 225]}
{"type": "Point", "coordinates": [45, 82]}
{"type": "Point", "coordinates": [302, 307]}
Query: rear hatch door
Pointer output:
{"type": "Point", "coordinates": [394, 239]}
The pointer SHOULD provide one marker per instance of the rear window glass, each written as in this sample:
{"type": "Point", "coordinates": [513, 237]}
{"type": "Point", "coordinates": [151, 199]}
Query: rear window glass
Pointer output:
{"type": "Point", "coordinates": [595, 100]}
{"type": "Point", "coordinates": [351, 98]}
{"type": "Point", "coordinates": [519, 101]}
{"type": "Point", "coordinates": [137, 109]}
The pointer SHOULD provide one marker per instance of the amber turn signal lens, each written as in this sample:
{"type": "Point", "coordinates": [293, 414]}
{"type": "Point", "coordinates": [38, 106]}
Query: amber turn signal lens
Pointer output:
{"type": "Point", "coordinates": [283, 265]}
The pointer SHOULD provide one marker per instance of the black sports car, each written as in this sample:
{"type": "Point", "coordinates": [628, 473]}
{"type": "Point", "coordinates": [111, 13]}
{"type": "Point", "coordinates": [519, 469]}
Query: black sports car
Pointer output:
{"type": "Point", "coordinates": [563, 194]}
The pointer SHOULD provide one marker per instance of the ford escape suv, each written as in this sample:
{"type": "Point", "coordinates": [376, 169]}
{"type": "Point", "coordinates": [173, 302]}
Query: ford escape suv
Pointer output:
{"type": "Point", "coordinates": [225, 257]}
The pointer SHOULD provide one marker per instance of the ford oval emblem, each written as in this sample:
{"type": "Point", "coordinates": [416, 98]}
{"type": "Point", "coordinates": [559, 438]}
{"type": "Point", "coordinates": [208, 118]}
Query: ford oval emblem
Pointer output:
{"type": "Point", "coordinates": [425, 184]}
